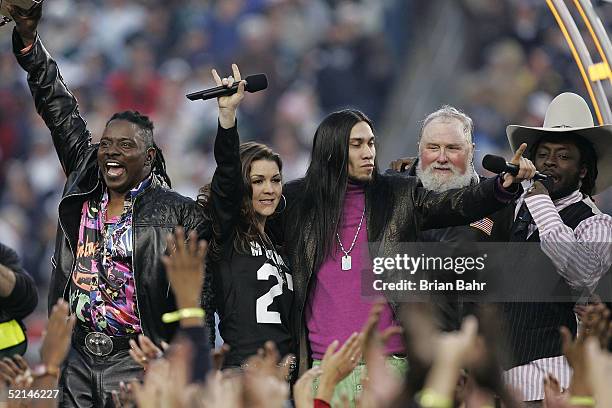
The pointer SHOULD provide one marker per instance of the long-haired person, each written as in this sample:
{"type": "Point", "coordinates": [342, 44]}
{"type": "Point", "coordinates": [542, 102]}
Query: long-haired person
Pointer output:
{"type": "Point", "coordinates": [343, 214]}
{"type": "Point", "coordinates": [247, 282]}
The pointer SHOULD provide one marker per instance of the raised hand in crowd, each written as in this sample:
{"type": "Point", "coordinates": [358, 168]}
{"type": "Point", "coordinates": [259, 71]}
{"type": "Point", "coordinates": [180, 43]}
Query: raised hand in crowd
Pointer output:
{"type": "Point", "coordinates": [382, 385]}
{"type": "Point", "coordinates": [554, 396]}
{"type": "Point", "coordinates": [599, 362]}
{"type": "Point", "coordinates": [265, 380]}
{"type": "Point", "coordinates": [56, 342]}
{"type": "Point", "coordinates": [53, 351]}
{"type": "Point", "coordinates": [15, 372]}
{"type": "Point", "coordinates": [596, 324]}
{"type": "Point", "coordinates": [124, 397]}
{"type": "Point", "coordinates": [473, 394]}
{"type": "Point", "coordinates": [484, 381]}
{"type": "Point", "coordinates": [218, 356]}
{"type": "Point", "coordinates": [185, 271]}
{"type": "Point", "coordinates": [222, 390]}
{"type": "Point", "coordinates": [26, 22]}
{"type": "Point", "coordinates": [337, 364]}
{"type": "Point", "coordinates": [229, 104]}
{"type": "Point", "coordinates": [302, 390]}
{"type": "Point", "coordinates": [146, 351]}
{"type": "Point", "coordinates": [166, 383]}
{"type": "Point", "coordinates": [454, 350]}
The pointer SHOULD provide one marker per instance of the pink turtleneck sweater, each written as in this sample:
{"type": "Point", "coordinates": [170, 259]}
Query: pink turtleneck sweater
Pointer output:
{"type": "Point", "coordinates": [335, 307]}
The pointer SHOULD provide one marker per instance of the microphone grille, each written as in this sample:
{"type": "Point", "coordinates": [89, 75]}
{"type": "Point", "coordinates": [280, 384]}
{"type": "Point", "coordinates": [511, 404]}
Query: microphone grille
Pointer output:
{"type": "Point", "coordinates": [495, 164]}
{"type": "Point", "coordinates": [256, 82]}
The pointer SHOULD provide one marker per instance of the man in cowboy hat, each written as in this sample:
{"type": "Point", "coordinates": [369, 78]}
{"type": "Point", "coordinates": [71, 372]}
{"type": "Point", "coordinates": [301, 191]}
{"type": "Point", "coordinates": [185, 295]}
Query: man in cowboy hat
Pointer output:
{"type": "Point", "coordinates": [573, 233]}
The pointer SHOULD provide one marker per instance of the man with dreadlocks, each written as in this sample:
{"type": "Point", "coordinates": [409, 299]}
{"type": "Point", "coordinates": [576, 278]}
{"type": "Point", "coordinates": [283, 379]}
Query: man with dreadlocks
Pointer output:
{"type": "Point", "coordinates": [116, 211]}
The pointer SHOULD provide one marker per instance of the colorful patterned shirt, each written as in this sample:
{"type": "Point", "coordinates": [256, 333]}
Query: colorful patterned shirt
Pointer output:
{"type": "Point", "coordinates": [102, 288]}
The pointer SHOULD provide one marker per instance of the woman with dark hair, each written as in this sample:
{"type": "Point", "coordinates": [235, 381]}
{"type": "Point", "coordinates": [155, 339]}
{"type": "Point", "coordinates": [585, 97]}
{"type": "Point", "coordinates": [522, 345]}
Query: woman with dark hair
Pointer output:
{"type": "Point", "coordinates": [247, 283]}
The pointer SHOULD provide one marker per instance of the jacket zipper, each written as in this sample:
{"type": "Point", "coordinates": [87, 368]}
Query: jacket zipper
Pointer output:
{"type": "Point", "coordinates": [133, 265]}
{"type": "Point", "coordinates": [68, 238]}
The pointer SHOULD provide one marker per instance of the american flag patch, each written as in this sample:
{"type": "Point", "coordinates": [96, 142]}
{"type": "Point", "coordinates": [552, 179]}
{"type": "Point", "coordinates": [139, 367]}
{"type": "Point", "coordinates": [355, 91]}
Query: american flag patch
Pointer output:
{"type": "Point", "coordinates": [485, 225]}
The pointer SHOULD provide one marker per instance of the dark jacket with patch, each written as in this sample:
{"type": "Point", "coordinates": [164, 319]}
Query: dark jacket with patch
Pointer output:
{"type": "Point", "coordinates": [450, 307]}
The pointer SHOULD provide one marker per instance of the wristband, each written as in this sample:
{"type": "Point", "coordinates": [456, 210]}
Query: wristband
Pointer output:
{"type": "Point", "coordinates": [181, 314]}
{"type": "Point", "coordinates": [584, 400]}
{"type": "Point", "coordinates": [43, 370]}
{"type": "Point", "coordinates": [431, 399]}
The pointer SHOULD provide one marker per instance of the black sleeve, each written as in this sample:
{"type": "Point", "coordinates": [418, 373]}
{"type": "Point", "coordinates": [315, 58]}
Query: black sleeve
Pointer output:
{"type": "Point", "coordinates": [461, 206]}
{"type": "Point", "coordinates": [227, 184]}
{"type": "Point", "coordinates": [194, 218]}
{"type": "Point", "coordinates": [24, 298]}
{"type": "Point", "coordinates": [200, 352]}
{"type": "Point", "coordinates": [279, 226]}
{"type": "Point", "coordinates": [55, 103]}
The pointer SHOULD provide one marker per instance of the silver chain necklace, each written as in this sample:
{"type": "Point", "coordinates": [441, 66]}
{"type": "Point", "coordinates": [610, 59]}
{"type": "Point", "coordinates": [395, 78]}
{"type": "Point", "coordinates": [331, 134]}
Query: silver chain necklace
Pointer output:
{"type": "Point", "coordinates": [346, 259]}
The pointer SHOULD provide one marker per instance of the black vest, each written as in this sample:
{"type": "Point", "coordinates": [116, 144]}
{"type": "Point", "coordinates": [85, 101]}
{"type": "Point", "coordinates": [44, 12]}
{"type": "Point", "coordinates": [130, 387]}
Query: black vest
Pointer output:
{"type": "Point", "coordinates": [533, 328]}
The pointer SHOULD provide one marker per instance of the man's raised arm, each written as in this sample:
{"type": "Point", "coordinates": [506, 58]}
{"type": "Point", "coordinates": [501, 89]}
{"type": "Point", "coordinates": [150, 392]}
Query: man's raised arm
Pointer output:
{"type": "Point", "coordinates": [54, 101]}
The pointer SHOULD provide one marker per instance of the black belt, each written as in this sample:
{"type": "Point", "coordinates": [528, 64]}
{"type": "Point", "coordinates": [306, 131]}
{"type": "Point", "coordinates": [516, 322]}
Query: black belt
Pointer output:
{"type": "Point", "coordinates": [100, 344]}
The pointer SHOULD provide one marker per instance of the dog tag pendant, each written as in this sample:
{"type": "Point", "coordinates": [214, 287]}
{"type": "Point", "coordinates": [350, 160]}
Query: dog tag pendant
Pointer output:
{"type": "Point", "coordinates": [346, 263]}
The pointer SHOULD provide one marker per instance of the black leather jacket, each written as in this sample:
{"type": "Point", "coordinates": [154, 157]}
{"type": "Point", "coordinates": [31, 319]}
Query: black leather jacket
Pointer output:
{"type": "Point", "coordinates": [397, 209]}
{"type": "Point", "coordinates": [155, 212]}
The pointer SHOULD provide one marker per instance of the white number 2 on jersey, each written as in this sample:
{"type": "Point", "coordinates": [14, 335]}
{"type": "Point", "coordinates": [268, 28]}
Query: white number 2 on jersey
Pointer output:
{"type": "Point", "coordinates": [263, 302]}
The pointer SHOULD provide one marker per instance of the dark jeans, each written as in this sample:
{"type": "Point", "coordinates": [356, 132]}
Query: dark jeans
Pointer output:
{"type": "Point", "coordinates": [88, 381]}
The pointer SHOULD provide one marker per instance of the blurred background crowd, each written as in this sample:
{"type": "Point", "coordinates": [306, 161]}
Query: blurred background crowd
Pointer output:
{"type": "Point", "coordinates": [397, 60]}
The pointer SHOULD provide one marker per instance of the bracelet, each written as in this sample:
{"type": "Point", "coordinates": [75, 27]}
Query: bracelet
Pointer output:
{"type": "Point", "coordinates": [181, 314]}
{"type": "Point", "coordinates": [584, 400]}
{"type": "Point", "coordinates": [43, 370]}
{"type": "Point", "coordinates": [431, 399]}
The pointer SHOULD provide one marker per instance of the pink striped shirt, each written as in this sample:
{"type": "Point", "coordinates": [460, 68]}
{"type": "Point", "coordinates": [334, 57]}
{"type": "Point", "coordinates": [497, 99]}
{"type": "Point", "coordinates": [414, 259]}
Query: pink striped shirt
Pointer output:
{"type": "Point", "coordinates": [582, 256]}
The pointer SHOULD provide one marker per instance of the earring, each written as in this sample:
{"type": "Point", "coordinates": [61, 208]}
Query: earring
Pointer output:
{"type": "Point", "coordinates": [277, 211]}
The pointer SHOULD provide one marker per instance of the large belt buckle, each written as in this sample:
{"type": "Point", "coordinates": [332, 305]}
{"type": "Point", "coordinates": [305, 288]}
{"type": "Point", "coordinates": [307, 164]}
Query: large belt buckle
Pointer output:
{"type": "Point", "coordinates": [98, 344]}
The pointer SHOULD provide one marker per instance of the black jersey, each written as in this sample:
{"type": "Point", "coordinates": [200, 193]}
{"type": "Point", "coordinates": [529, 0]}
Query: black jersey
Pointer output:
{"type": "Point", "coordinates": [253, 292]}
{"type": "Point", "coordinates": [253, 296]}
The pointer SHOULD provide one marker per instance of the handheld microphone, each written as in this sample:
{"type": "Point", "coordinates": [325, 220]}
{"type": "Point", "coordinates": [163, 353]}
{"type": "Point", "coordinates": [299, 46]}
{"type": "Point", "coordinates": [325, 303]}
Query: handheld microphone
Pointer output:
{"type": "Point", "coordinates": [254, 83]}
{"type": "Point", "coordinates": [498, 165]}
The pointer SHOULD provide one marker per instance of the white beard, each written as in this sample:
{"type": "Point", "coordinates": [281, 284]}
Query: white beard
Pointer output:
{"type": "Point", "coordinates": [439, 182]}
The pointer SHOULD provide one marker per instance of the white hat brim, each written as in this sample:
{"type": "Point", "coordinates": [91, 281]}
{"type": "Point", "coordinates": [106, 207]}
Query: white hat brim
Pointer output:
{"type": "Point", "coordinates": [599, 136]}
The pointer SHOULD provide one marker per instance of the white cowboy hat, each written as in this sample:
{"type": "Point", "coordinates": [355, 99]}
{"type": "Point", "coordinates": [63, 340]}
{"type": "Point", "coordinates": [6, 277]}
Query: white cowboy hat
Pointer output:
{"type": "Point", "coordinates": [568, 112]}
